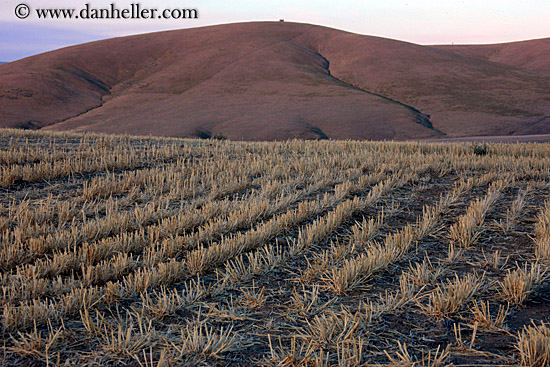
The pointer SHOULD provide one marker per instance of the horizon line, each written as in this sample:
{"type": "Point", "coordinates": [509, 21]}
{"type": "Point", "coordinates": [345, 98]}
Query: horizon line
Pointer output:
{"type": "Point", "coordinates": [131, 34]}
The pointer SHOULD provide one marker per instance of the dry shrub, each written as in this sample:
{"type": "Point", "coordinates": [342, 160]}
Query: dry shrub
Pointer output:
{"type": "Point", "coordinates": [519, 284]}
{"type": "Point", "coordinates": [447, 298]}
{"type": "Point", "coordinates": [533, 345]}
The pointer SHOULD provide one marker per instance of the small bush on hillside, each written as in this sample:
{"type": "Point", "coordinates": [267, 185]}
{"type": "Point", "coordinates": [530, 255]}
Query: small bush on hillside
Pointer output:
{"type": "Point", "coordinates": [481, 149]}
{"type": "Point", "coordinates": [219, 137]}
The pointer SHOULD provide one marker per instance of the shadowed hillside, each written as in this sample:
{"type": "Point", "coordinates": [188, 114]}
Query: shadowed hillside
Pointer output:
{"type": "Point", "coordinates": [271, 80]}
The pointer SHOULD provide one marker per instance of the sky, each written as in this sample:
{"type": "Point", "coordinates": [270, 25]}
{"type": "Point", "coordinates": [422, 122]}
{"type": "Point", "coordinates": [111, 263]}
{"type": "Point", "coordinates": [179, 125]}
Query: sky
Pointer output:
{"type": "Point", "coordinates": [418, 21]}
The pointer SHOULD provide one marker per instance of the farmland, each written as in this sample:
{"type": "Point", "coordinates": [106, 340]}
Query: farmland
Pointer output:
{"type": "Point", "coordinates": [119, 250]}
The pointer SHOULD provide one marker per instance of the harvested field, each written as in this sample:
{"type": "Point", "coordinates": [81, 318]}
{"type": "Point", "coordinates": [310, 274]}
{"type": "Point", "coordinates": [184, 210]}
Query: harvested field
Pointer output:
{"type": "Point", "coordinates": [120, 250]}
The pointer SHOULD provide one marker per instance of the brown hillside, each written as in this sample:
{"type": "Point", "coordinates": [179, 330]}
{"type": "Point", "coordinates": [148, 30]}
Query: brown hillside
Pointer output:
{"type": "Point", "coordinates": [464, 95]}
{"type": "Point", "coordinates": [270, 80]}
{"type": "Point", "coordinates": [531, 55]}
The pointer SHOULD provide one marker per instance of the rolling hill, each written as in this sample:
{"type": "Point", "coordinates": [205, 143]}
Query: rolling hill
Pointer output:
{"type": "Point", "coordinates": [271, 81]}
{"type": "Point", "coordinates": [531, 55]}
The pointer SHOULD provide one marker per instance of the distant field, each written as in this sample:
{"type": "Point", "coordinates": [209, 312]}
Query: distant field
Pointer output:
{"type": "Point", "coordinates": [120, 250]}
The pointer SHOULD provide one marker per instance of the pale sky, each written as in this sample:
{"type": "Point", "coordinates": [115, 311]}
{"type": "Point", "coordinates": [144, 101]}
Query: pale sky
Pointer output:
{"type": "Point", "coordinates": [418, 21]}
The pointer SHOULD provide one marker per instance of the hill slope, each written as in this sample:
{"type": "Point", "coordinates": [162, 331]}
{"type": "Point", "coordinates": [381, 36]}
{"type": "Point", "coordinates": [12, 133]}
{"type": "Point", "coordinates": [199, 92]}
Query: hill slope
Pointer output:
{"type": "Point", "coordinates": [271, 80]}
{"type": "Point", "coordinates": [531, 55]}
